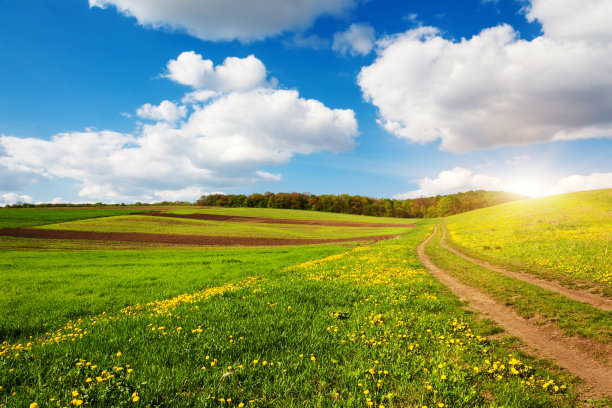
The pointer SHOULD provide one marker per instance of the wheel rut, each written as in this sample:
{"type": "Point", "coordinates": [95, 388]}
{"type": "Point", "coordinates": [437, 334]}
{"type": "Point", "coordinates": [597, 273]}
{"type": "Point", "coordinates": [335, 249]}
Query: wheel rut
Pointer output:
{"type": "Point", "coordinates": [592, 299]}
{"type": "Point", "coordinates": [566, 352]}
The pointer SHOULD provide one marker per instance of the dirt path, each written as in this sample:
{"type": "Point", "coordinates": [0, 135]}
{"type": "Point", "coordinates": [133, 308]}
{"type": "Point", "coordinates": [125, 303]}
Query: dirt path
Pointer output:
{"type": "Point", "coordinates": [546, 342]}
{"type": "Point", "coordinates": [584, 296]}
{"type": "Point", "coordinates": [207, 240]}
{"type": "Point", "coordinates": [234, 218]}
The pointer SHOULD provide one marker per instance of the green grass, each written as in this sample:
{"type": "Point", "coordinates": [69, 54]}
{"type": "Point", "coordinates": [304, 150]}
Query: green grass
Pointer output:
{"type": "Point", "coordinates": [163, 225]}
{"type": "Point", "coordinates": [367, 327]}
{"type": "Point", "coordinates": [565, 238]}
{"type": "Point", "coordinates": [29, 217]}
{"type": "Point", "coordinates": [289, 214]}
{"type": "Point", "coordinates": [574, 318]}
{"type": "Point", "coordinates": [40, 289]}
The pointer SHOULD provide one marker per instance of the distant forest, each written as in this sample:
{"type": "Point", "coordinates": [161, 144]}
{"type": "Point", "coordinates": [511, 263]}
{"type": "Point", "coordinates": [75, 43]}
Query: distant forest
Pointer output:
{"type": "Point", "coordinates": [427, 207]}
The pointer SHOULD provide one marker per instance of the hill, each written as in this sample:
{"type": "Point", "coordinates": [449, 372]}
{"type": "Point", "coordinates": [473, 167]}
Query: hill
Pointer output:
{"type": "Point", "coordinates": [565, 237]}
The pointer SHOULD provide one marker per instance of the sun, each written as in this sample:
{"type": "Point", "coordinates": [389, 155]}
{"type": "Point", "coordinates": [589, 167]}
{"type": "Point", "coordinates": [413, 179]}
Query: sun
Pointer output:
{"type": "Point", "coordinates": [530, 188]}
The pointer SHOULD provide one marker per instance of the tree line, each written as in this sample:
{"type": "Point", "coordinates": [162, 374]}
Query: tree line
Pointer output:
{"type": "Point", "coordinates": [425, 207]}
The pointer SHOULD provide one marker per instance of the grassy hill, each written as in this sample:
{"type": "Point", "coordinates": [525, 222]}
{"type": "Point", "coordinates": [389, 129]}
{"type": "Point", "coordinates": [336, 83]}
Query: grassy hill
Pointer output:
{"type": "Point", "coordinates": [565, 237]}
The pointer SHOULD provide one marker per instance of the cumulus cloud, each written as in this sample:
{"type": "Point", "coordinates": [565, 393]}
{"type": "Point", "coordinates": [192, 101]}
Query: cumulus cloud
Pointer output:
{"type": "Point", "coordinates": [14, 198]}
{"type": "Point", "coordinates": [223, 142]}
{"type": "Point", "coordinates": [496, 88]}
{"type": "Point", "coordinates": [165, 111]}
{"type": "Point", "coordinates": [235, 74]}
{"type": "Point", "coordinates": [229, 19]}
{"type": "Point", "coordinates": [358, 39]}
{"type": "Point", "coordinates": [312, 41]}
{"type": "Point", "coordinates": [452, 181]}
{"type": "Point", "coordinates": [573, 19]}
{"type": "Point", "coordinates": [595, 181]}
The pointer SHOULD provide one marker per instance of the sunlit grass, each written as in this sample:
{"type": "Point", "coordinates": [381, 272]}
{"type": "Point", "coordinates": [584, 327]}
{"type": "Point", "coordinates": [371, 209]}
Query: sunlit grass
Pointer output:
{"type": "Point", "coordinates": [364, 327]}
{"type": "Point", "coordinates": [28, 217]}
{"type": "Point", "coordinates": [289, 214]}
{"type": "Point", "coordinates": [567, 237]}
{"type": "Point", "coordinates": [164, 225]}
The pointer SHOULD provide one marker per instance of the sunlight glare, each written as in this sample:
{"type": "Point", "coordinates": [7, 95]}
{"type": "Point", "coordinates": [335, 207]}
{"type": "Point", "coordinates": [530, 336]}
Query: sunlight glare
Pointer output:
{"type": "Point", "coordinates": [529, 188]}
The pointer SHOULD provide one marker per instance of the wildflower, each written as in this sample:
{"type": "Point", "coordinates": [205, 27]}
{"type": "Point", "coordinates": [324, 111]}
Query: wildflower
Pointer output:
{"type": "Point", "coordinates": [33, 405]}
{"type": "Point", "coordinates": [119, 353]}
{"type": "Point", "coordinates": [75, 393]}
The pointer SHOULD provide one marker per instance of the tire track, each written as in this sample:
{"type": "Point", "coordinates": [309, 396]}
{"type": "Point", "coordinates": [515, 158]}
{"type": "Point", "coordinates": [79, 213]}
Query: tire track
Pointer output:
{"type": "Point", "coordinates": [583, 296]}
{"type": "Point", "coordinates": [551, 344]}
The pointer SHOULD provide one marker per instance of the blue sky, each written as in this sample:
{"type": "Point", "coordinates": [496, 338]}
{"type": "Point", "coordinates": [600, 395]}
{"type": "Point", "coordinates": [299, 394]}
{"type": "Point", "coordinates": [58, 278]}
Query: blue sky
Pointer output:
{"type": "Point", "coordinates": [125, 100]}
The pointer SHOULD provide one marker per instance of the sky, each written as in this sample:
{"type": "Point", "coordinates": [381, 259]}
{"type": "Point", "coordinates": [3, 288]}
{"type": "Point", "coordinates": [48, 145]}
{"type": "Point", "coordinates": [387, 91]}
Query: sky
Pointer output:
{"type": "Point", "coordinates": [163, 100]}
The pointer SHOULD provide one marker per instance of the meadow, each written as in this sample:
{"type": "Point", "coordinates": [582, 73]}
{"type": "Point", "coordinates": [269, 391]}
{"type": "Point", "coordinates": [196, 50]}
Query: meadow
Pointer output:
{"type": "Point", "coordinates": [29, 217]}
{"type": "Point", "coordinates": [565, 238]}
{"type": "Point", "coordinates": [315, 325]}
{"type": "Point", "coordinates": [147, 224]}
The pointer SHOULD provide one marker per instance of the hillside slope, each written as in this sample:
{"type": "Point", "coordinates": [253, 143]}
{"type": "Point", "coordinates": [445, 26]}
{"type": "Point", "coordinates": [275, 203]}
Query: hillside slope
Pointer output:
{"type": "Point", "coordinates": [566, 237]}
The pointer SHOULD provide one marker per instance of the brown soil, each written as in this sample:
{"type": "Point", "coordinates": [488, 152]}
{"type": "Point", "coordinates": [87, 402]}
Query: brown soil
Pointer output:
{"type": "Point", "coordinates": [175, 238]}
{"type": "Point", "coordinates": [546, 341]}
{"type": "Point", "coordinates": [233, 218]}
{"type": "Point", "coordinates": [584, 296]}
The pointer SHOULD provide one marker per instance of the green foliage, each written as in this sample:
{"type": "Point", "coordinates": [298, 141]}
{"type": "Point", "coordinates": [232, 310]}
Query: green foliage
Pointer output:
{"type": "Point", "coordinates": [430, 207]}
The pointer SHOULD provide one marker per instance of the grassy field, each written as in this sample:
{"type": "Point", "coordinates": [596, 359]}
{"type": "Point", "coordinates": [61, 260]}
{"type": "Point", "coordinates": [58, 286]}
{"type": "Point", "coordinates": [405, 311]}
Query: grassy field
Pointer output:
{"type": "Point", "coordinates": [288, 214]}
{"type": "Point", "coordinates": [29, 217]}
{"type": "Point", "coordinates": [574, 318]}
{"type": "Point", "coordinates": [162, 225]}
{"type": "Point", "coordinates": [316, 326]}
{"type": "Point", "coordinates": [40, 289]}
{"type": "Point", "coordinates": [566, 238]}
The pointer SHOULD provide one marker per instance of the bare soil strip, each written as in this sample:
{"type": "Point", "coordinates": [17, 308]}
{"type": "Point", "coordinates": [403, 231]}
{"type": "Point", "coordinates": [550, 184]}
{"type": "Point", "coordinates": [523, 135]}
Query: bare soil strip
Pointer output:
{"type": "Point", "coordinates": [584, 296]}
{"type": "Point", "coordinates": [205, 240]}
{"type": "Point", "coordinates": [234, 218]}
{"type": "Point", "coordinates": [546, 341]}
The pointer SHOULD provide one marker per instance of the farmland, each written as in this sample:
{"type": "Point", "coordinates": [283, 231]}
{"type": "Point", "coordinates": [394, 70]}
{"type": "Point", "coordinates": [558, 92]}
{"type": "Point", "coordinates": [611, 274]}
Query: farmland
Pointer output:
{"type": "Point", "coordinates": [346, 324]}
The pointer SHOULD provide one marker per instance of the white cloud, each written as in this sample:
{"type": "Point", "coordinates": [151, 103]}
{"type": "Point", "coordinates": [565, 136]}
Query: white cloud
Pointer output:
{"type": "Point", "coordinates": [518, 159]}
{"type": "Point", "coordinates": [221, 143]}
{"type": "Point", "coordinates": [229, 19]}
{"type": "Point", "coordinates": [452, 181]}
{"type": "Point", "coordinates": [358, 39]}
{"type": "Point", "coordinates": [236, 74]}
{"type": "Point", "coordinates": [312, 41]}
{"type": "Point", "coordinates": [14, 198]}
{"type": "Point", "coordinates": [495, 88]}
{"type": "Point", "coordinates": [264, 175]}
{"type": "Point", "coordinates": [190, 193]}
{"type": "Point", "coordinates": [165, 111]}
{"type": "Point", "coordinates": [595, 181]}
{"type": "Point", "coordinates": [573, 19]}
{"type": "Point", "coordinates": [201, 95]}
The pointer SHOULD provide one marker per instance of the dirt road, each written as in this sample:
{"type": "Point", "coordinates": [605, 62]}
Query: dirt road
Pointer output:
{"type": "Point", "coordinates": [592, 299]}
{"type": "Point", "coordinates": [547, 342]}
